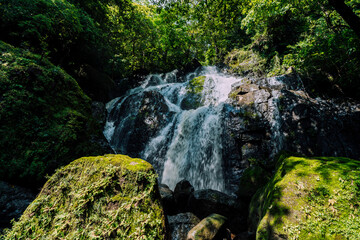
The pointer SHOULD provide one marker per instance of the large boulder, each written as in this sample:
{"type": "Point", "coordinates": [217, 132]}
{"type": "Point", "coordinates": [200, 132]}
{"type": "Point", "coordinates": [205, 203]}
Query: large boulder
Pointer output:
{"type": "Point", "coordinates": [208, 228]}
{"type": "Point", "coordinates": [167, 199]}
{"type": "Point", "coordinates": [182, 193]}
{"type": "Point", "coordinates": [181, 224]}
{"type": "Point", "coordinates": [268, 115]}
{"type": "Point", "coordinates": [309, 198]}
{"type": "Point", "coordinates": [207, 201]}
{"type": "Point", "coordinates": [104, 197]}
{"type": "Point", "coordinates": [134, 120]}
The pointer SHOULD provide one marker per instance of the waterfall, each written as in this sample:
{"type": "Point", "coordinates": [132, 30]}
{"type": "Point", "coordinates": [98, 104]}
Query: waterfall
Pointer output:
{"type": "Point", "coordinates": [181, 142]}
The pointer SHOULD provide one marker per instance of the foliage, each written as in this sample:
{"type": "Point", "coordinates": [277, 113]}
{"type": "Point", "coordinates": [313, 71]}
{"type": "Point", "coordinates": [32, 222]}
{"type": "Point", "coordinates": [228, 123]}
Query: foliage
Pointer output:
{"type": "Point", "coordinates": [45, 118]}
{"type": "Point", "coordinates": [67, 35]}
{"type": "Point", "coordinates": [243, 62]}
{"type": "Point", "coordinates": [104, 197]}
{"type": "Point", "coordinates": [309, 198]}
{"type": "Point", "coordinates": [310, 36]}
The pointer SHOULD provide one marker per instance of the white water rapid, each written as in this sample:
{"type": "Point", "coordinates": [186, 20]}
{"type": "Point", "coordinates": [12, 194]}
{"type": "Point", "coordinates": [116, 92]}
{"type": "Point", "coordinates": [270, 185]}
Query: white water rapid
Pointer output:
{"type": "Point", "coordinates": [183, 142]}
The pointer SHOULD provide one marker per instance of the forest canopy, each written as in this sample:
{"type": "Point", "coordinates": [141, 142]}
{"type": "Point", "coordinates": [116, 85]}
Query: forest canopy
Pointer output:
{"type": "Point", "coordinates": [120, 38]}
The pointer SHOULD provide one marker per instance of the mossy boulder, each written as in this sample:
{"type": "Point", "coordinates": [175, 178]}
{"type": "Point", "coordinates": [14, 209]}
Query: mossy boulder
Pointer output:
{"type": "Point", "coordinates": [194, 97]}
{"type": "Point", "coordinates": [45, 118]}
{"type": "Point", "coordinates": [208, 228]}
{"type": "Point", "coordinates": [104, 197]}
{"type": "Point", "coordinates": [309, 198]}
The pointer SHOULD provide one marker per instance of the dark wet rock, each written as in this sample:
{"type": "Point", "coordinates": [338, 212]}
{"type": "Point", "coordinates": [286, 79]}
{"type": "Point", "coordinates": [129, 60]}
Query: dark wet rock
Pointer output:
{"type": "Point", "coordinates": [151, 117]}
{"type": "Point", "coordinates": [207, 201]}
{"type": "Point", "coordinates": [182, 193]}
{"type": "Point", "coordinates": [274, 114]}
{"type": "Point", "coordinates": [144, 114]}
{"type": "Point", "coordinates": [181, 224]}
{"type": "Point", "coordinates": [208, 229]}
{"type": "Point", "coordinates": [13, 202]}
{"type": "Point", "coordinates": [168, 200]}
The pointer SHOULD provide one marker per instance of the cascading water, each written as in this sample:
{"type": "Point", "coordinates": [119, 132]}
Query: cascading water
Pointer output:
{"type": "Point", "coordinates": [181, 142]}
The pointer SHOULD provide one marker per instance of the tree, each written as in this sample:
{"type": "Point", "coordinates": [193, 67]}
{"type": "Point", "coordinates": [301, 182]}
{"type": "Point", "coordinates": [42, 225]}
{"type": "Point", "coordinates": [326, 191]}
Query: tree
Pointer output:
{"type": "Point", "coordinates": [347, 14]}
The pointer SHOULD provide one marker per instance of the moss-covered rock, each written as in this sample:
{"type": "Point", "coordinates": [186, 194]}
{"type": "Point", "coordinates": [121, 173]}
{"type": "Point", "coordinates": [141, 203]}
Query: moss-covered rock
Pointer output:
{"type": "Point", "coordinates": [309, 198]}
{"type": "Point", "coordinates": [45, 118]}
{"type": "Point", "coordinates": [194, 90]}
{"type": "Point", "coordinates": [104, 197]}
{"type": "Point", "coordinates": [208, 228]}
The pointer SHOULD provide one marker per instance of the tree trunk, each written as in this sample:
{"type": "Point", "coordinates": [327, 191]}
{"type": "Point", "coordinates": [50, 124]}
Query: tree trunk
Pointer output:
{"type": "Point", "coordinates": [347, 14]}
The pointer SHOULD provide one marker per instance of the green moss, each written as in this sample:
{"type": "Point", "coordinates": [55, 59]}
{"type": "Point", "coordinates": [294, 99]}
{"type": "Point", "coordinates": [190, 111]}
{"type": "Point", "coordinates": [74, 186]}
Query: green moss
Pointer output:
{"type": "Point", "coordinates": [194, 90]}
{"type": "Point", "coordinates": [196, 85]}
{"type": "Point", "coordinates": [111, 196]}
{"type": "Point", "coordinates": [243, 61]}
{"type": "Point", "coordinates": [309, 198]}
{"type": "Point", "coordinates": [208, 227]}
{"type": "Point", "coordinates": [251, 180]}
{"type": "Point", "coordinates": [45, 118]}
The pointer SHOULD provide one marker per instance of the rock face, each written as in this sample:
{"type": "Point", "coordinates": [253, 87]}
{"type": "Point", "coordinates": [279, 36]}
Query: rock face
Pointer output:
{"type": "Point", "coordinates": [274, 114]}
{"type": "Point", "coordinates": [146, 113]}
{"type": "Point", "coordinates": [104, 197]}
{"type": "Point", "coordinates": [13, 202]}
{"type": "Point", "coordinates": [309, 198]}
{"type": "Point", "coordinates": [181, 224]}
{"type": "Point", "coordinates": [208, 228]}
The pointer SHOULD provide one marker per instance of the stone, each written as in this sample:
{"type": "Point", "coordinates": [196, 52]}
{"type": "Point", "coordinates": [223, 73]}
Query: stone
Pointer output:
{"type": "Point", "coordinates": [245, 88]}
{"type": "Point", "coordinates": [181, 224]}
{"type": "Point", "coordinates": [208, 228]}
{"type": "Point", "coordinates": [104, 197]}
{"type": "Point", "coordinates": [207, 201]}
{"type": "Point", "coordinates": [182, 193]}
{"type": "Point", "coordinates": [305, 197]}
{"type": "Point", "coordinates": [13, 202]}
{"type": "Point", "coordinates": [168, 200]}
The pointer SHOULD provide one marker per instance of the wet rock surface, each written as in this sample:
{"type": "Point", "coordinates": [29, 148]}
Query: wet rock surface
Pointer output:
{"type": "Point", "coordinates": [13, 202]}
{"type": "Point", "coordinates": [181, 224]}
{"type": "Point", "coordinates": [205, 202]}
{"type": "Point", "coordinates": [168, 200]}
{"type": "Point", "coordinates": [192, 206]}
{"type": "Point", "coordinates": [269, 115]}
{"type": "Point", "coordinates": [182, 193]}
{"type": "Point", "coordinates": [208, 229]}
